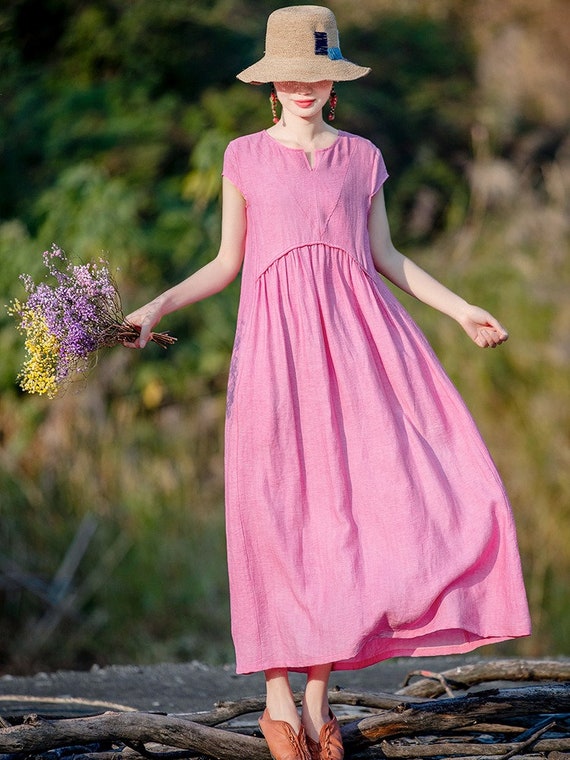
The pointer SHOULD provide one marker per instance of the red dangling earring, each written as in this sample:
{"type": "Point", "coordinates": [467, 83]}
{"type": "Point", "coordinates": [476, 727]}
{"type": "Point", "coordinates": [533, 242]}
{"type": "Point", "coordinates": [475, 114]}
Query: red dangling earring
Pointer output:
{"type": "Point", "coordinates": [273, 101]}
{"type": "Point", "coordinates": [333, 100]}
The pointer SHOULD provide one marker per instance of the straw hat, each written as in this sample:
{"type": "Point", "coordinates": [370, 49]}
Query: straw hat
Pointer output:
{"type": "Point", "coordinates": [301, 45]}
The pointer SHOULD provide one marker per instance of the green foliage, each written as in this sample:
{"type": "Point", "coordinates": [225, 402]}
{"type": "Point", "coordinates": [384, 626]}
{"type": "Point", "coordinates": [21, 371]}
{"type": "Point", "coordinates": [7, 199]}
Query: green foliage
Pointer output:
{"type": "Point", "coordinates": [89, 213]}
{"type": "Point", "coordinates": [417, 105]}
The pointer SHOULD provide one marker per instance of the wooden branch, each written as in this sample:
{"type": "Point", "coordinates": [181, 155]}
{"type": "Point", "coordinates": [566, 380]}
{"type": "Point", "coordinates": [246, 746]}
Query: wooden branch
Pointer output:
{"type": "Point", "coordinates": [530, 741]}
{"type": "Point", "coordinates": [225, 711]}
{"type": "Point", "coordinates": [379, 700]}
{"type": "Point", "coordinates": [482, 710]}
{"type": "Point", "coordinates": [376, 753]}
{"type": "Point", "coordinates": [491, 728]}
{"type": "Point", "coordinates": [469, 749]}
{"type": "Point", "coordinates": [431, 676]}
{"type": "Point", "coordinates": [127, 753]}
{"type": "Point", "coordinates": [446, 714]}
{"type": "Point", "coordinates": [66, 704]}
{"type": "Point", "coordinates": [38, 735]}
{"type": "Point", "coordinates": [156, 752]}
{"type": "Point", "coordinates": [481, 672]}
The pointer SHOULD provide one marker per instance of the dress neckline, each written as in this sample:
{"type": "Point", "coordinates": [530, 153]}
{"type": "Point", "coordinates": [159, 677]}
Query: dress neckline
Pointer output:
{"type": "Point", "coordinates": [312, 166]}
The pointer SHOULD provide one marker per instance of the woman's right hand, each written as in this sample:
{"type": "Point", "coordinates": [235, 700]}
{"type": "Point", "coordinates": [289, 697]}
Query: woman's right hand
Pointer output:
{"type": "Point", "coordinates": [145, 318]}
{"type": "Point", "coordinates": [482, 327]}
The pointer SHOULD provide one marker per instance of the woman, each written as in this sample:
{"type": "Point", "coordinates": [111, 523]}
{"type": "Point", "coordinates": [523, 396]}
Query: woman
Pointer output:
{"type": "Point", "coordinates": [365, 518]}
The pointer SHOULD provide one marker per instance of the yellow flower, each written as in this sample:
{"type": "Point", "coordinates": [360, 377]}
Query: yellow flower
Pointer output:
{"type": "Point", "coordinates": [38, 374]}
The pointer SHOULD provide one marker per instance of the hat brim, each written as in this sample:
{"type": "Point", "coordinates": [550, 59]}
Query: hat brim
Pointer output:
{"type": "Point", "coordinates": [274, 69]}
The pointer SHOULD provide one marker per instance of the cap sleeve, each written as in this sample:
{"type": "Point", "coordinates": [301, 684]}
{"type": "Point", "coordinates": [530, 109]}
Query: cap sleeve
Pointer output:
{"type": "Point", "coordinates": [231, 167]}
{"type": "Point", "coordinates": [379, 171]}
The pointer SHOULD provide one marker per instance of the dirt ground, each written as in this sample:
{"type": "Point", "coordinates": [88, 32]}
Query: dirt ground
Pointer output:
{"type": "Point", "coordinates": [178, 688]}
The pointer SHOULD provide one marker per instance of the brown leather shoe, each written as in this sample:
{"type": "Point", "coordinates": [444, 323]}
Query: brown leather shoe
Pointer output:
{"type": "Point", "coordinates": [281, 739]}
{"type": "Point", "coordinates": [314, 748]}
{"type": "Point", "coordinates": [329, 746]}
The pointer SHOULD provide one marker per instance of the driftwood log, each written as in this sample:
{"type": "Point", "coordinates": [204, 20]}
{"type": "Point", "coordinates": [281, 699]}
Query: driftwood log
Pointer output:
{"type": "Point", "coordinates": [493, 723]}
{"type": "Point", "coordinates": [458, 712]}
{"type": "Point", "coordinates": [497, 670]}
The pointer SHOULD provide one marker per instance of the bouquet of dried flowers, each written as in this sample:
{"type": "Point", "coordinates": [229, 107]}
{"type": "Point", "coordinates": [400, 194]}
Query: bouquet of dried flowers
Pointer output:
{"type": "Point", "coordinates": [66, 321]}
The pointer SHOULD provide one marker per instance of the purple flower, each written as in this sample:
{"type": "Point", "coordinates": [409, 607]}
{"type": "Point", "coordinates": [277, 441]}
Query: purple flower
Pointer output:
{"type": "Point", "coordinates": [81, 309]}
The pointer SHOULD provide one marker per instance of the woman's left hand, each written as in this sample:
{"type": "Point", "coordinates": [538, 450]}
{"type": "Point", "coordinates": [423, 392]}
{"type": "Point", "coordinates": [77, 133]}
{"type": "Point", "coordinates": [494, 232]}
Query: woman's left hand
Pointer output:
{"type": "Point", "coordinates": [483, 328]}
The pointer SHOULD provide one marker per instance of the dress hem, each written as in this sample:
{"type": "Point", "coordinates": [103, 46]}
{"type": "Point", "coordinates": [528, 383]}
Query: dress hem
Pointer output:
{"type": "Point", "coordinates": [350, 663]}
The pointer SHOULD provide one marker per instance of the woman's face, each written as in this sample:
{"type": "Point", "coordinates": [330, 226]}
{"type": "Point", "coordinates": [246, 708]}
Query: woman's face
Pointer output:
{"type": "Point", "coordinates": [304, 99]}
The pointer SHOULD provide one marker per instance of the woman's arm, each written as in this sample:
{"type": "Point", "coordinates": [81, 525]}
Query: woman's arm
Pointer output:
{"type": "Point", "coordinates": [481, 326]}
{"type": "Point", "coordinates": [208, 280]}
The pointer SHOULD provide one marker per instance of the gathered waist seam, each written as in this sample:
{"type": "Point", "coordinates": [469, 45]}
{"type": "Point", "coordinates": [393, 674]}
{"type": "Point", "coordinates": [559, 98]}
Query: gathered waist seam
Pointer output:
{"type": "Point", "coordinates": [309, 245]}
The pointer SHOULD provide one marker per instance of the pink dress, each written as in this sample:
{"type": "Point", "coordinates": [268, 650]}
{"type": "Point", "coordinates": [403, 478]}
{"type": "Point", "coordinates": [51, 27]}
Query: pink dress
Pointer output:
{"type": "Point", "coordinates": [365, 517]}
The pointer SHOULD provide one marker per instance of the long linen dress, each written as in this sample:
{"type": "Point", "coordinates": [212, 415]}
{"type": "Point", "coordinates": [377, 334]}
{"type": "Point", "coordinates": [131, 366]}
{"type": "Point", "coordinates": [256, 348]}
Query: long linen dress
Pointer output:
{"type": "Point", "coordinates": [365, 517]}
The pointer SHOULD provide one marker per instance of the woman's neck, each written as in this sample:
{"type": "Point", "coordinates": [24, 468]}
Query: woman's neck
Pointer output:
{"type": "Point", "coordinates": [303, 133]}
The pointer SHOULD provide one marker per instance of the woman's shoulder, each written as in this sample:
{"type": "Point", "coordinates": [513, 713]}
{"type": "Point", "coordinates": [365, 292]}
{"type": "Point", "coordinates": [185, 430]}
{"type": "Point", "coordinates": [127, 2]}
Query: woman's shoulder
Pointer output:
{"type": "Point", "coordinates": [366, 156]}
{"type": "Point", "coordinates": [246, 142]}
{"type": "Point", "coordinates": [361, 143]}
{"type": "Point", "coordinates": [241, 158]}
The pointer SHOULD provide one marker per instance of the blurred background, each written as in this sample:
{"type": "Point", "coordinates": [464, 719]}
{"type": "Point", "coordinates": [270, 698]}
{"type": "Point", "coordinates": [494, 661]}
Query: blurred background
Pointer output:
{"type": "Point", "coordinates": [114, 115]}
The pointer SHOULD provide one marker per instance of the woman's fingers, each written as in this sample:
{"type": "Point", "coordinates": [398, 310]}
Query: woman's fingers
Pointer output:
{"type": "Point", "coordinates": [488, 337]}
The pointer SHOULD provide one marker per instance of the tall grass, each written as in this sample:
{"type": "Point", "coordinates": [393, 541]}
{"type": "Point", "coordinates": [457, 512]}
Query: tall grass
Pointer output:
{"type": "Point", "coordinates": [152, 585]}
